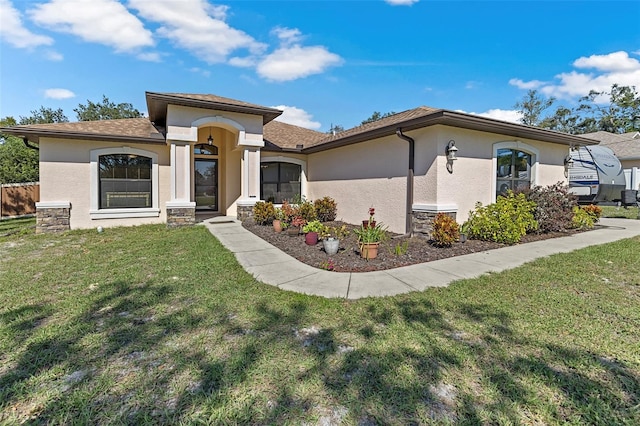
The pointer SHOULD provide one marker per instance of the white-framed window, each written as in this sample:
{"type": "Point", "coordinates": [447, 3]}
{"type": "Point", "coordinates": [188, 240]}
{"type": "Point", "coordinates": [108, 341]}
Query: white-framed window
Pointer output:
{"type": "Point", "coordinates": [515, 166]}
{"type": "Point", "coordinates": [281, 179]}
{"type": "Point", "coordinates": [124, 183]}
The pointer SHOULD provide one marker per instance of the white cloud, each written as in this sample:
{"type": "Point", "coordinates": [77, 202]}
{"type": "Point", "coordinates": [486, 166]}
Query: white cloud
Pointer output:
{"type": "Point", "coordinates": [106, 22]}
{"type": "Point", "coordinates": [617, 61]}
{"type": "Point", "coordinates": [603, 72]}
{"type": "Point", "coordinates": [501, 114]}
{"type": "Point", "coordinates": [59, 94]}
{"type": "Point", "coordinates": [52, 55]}
{"type": "Point", "coordinates": [401, 2]}
{"type": "Point", "coordinates": [297, 116]}
{"type": "Point", "coordinates": [293, 62]}
{"type": "Point", "coordinates": [527, 85]}
{"type": "Point", "coordinates": [198, 27]}
{"type": "Point", "coordinates": [13, 31]}
{"type": "Point", "coordinates": [246, 62]}
{"type": "Point", "coordinates": [200, 71]}
{"type": "Point", "coordinates": [288, 36]}
{"type": "Point", "coordinates": [149, 57]}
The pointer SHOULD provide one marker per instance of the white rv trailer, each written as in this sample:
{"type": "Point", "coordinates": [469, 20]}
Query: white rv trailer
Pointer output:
{"type": "Point", "coordinates": [596, 175]}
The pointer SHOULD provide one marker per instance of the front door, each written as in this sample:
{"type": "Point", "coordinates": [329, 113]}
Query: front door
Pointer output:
{"type": "Point", "coordinates": [206, 184]}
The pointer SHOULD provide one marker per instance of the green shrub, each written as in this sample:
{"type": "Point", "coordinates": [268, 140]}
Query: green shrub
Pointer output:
{"type": "Point", "coordinates": [582, 219]}
{"type": "Point", "coordinates": [505, 221]}
{"type": "Point", "coordinates": [445, 230]}
{"type": "Point", "coordinates": [554, 207]}
{"type": "Point", "coordinates": [594, 211]}
{"type": "Point", "coordinates": [264, 212]}
{"type": "Point", "coordinates": [288, 212]}
{"type": "Point", "coordinates": [326, 209]}
{"type": "Point", "coordinates": [307, 211]}
{"type": "Point", "coordinates": [313, 226]}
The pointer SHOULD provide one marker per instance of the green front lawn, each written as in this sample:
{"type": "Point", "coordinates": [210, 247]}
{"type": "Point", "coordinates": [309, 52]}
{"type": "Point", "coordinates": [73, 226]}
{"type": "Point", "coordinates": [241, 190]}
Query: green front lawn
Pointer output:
{"type": "Point", "coordinates": [149, 325]}
{"type": "Point", "coordinates": [620, 212]}
{"type": "Point", "coordinates": [22, 225]}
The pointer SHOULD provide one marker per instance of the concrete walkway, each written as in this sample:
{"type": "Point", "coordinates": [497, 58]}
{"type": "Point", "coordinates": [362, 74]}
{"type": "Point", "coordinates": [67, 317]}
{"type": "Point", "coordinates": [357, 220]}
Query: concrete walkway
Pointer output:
{"type": "Point", "coordinates": [272, 266]}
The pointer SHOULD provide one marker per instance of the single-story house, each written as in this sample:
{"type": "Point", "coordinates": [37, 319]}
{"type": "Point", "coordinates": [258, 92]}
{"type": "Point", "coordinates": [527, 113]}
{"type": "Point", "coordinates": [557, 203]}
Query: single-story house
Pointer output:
{"type": "Point", "coordinates": [626, 147]}
{"type": "Point", "coordinates": [205, 153]}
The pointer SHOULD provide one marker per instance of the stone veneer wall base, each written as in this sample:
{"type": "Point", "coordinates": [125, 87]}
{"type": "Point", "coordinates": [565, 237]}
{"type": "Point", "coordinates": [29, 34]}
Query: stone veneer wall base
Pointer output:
{"type": "Point", "coordinates": [52, 219]}
{"type": "Point", "coordinates": [180, 216]}
{"type": "Point", "coordinates": [422, 222]}
{"type": "Point", "coordinates": [245, 212]}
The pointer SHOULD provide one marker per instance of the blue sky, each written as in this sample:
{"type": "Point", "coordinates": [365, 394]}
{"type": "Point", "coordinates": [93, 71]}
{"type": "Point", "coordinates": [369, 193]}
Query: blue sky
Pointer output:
{"type": "Point", "coordinates": [322, 62]}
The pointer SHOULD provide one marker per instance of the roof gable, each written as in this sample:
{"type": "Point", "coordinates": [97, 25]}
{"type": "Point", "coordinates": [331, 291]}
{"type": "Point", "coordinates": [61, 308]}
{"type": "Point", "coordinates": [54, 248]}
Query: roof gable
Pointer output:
{"type": "Point", "coordinates": [157, 105]}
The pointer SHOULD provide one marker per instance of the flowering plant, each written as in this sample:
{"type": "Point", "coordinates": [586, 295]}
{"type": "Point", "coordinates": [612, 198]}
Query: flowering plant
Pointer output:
{"type": "Point", "coordinates": [327, 265]}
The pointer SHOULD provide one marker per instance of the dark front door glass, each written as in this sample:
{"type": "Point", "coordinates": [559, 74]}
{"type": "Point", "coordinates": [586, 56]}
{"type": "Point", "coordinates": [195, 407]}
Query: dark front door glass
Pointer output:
{"type": "Point", "coordinates": [206, 184]}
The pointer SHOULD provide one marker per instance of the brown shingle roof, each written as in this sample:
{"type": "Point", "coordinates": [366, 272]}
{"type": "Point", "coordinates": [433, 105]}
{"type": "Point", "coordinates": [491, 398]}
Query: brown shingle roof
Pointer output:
{"type": "Point", "coordinates": [283, 136]}
{"type": "Point", "coordinates": [279, 135]}
{"type": "Point", "coordinates": [392, 120]}
{"type": "Point", "coordinates": [157, 105]}
{"type": "Point", "coordinates": [426, 116]}
{"type": "Point", "coordinates": [625, 146]}
{"type": "Point", "coordinates": [132, 129]}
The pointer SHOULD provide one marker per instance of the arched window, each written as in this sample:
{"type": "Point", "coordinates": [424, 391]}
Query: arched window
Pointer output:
{"type": "Point", "coordinates": [280, 181]}
{"type": "Point", "coordinates": [205, 149]}
{"type": "Point", "coordinates": [514, 170]}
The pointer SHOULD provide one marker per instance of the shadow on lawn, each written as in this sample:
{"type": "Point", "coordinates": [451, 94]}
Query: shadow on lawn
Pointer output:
{"type": "Point", "coordinates": [131, 378]}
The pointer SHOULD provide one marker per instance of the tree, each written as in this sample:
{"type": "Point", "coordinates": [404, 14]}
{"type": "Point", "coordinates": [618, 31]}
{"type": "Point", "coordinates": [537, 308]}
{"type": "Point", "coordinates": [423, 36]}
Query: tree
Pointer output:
{"type": "Point", "coordinates": [43, 116]}
{"type": "Point", "coordinates": [376, 116]}
{"type": "Point", "coordinates": [616, 117]}
{"type": "Point", "coordinates": [17, 162]}
{"type": "Point", "coordinates": [336, 128]}
{"type": "Point", "coordinates": [106, 110]}
{"type": "Point", "coordinates": [532, 106]}
{"type": "Point", "coordinates": [562, 121]}
{"type": "Point", "coordinates": [591, 115]}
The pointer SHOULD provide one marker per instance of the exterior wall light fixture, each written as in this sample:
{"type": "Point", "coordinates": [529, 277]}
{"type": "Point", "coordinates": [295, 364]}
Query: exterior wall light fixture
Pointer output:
{"type": "Point", "coordinates": [210, 139]}
{"type": "Point", "coordinates": [451, 155]}
{"type": "Point", "coordinates": [568, 163]}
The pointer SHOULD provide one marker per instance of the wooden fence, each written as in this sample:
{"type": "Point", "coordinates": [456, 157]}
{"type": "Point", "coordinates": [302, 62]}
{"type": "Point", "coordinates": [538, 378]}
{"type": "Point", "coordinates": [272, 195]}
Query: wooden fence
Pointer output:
{"type": "Point", "coordinates": [19, 199]}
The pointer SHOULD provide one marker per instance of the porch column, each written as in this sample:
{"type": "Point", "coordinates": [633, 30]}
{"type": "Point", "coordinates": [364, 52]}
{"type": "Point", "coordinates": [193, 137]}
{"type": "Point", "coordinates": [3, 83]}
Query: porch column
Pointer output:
{"type": "Point", "coordinates": [250, 181]}
{"type": "Point", "coordinates": [180, 209]}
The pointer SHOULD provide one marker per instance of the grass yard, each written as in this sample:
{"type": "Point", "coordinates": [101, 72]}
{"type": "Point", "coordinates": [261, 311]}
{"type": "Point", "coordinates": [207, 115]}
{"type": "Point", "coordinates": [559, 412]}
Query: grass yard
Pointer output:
{"type": "Point", "coordinates": [621, 212]}
{"type": "Point", "coordinates": [22, 226]}
{"type": "Point", "coordinates": [149, 325]}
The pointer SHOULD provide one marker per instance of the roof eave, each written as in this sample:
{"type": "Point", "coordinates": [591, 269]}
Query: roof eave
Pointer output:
{"type": "Point", "coordinates": [461, 120]}
{"type": "Point", "coordinates": [34, 135]}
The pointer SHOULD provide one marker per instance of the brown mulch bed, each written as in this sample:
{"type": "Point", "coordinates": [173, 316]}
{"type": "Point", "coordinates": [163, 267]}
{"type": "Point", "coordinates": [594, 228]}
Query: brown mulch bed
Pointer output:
{"type": "Point", "coordinates": [348, 259]}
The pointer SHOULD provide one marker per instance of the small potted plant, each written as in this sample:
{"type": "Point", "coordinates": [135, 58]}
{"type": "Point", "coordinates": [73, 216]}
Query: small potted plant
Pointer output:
{"type": "Point", "coordinates": [331, 238]}
{"type": "Point", "coordinates": [371, 221]}
{"type": "Point", "coordinates": [296, 223]}
{"type": "Point", "coordinates": [279, 220]}
{"type": "Point", "coordinates": [311, 230]}
{"type": "Point", "coordinates": [464, 232]}
{"type": "Point", "coordinates": [370, 238]}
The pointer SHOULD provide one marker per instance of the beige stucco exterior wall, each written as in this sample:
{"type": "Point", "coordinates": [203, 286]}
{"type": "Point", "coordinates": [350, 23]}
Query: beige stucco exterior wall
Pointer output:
{"type": "Point", "coordinates": [180, 118]}
{"type": "Point", "coordinates": [374, 173]}
{"type": "Point", "coordinates": [473, 178]}
{"type": "Point", "coordinates": [363, 175]}
{"type": "Point", "coordinates": [65, 177]}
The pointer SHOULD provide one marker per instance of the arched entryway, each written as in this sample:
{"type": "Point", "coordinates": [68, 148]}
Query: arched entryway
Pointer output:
{"type": "Point", "coordinates": [206, 176]}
